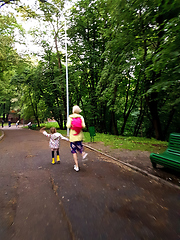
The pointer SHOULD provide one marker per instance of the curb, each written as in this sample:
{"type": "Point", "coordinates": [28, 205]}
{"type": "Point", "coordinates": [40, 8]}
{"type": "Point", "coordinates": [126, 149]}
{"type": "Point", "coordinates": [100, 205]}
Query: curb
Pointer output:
{"type": "Point", "coordinates": [2, 135]}
{"type": "Point", "coordinates": [158, 179]}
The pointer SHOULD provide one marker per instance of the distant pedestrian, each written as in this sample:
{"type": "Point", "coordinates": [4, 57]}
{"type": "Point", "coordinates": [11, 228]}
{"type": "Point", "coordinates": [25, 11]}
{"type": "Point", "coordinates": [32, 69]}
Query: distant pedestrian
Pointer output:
{"type": "Point", "coordinates": [54, 142]}
{"type": "Point", "coordinates": [29, 125]}
{"type": "Point", "coordinates": [76, 124]}
{"type": "Point", "coordinates": [2, 122]}
{"type": "Point", "coordinates": [9, 122]}
{"type": "Point", "coordinates": [17, 123]}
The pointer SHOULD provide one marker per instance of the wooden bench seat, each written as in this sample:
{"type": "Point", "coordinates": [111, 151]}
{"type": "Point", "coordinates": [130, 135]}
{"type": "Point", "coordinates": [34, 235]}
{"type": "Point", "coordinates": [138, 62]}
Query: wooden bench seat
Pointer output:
{"type": "Point", "coordinates": [171, 157]}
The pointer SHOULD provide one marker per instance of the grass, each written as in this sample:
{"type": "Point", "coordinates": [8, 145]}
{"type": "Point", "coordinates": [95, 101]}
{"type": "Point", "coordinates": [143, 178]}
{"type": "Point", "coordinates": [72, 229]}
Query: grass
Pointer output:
{"type": "Point", "coordinates": [48, 125]}
{"type": "Point", "coordinates": [120, 142]}
{"type": "Point", "coordinates": [131, 143]}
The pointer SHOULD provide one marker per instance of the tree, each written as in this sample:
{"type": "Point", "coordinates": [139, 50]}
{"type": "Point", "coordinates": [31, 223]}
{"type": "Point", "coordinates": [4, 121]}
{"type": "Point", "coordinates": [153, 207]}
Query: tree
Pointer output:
{"type": "Point", "coordinates": [87, 21]}
{"type": "Point", "coordinates": [9, 60]}
{"type": "Point", "coordinates": [52, 14]}
{"type": "Point", "coordinates": [139, 36]}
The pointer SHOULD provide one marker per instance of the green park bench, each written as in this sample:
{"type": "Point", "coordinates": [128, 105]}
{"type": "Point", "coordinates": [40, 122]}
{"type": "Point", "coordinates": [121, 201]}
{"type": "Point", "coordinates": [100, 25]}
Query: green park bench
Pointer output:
{"type": "Point", "coordinates": [92, 133]}
{"type": "Point", "coordinates": [171, 157]}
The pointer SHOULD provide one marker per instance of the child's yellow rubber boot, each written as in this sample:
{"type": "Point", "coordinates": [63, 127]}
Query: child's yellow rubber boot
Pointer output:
{"type": "Point", "coordinates": [58, 159]}
{"type": "Point", "coordinates": [53, 161]}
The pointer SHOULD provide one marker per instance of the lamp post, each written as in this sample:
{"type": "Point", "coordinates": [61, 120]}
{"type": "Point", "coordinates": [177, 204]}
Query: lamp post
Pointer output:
{"type": "Point", "coordinates": [67, 89]}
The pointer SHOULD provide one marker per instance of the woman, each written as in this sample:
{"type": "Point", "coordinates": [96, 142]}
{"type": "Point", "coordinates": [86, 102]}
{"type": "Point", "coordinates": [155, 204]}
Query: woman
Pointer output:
{"type": "Point", "coordinates": [76, 124]}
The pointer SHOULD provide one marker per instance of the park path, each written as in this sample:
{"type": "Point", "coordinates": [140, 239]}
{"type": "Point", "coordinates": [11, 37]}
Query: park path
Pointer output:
{"type": "Point", "coordinates": [104, 200]}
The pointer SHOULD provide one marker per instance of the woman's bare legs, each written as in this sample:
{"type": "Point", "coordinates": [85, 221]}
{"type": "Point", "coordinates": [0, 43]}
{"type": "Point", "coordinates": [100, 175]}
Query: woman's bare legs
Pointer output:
{"type": "Point", "coordinates": [84, 155]}
{"type": "Point", "coordinates": [75, 159]}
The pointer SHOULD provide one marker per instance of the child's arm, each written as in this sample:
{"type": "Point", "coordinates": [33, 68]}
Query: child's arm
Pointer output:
{"type": "Point", "coordinates": [61, 136]}
{"type": "Point", "coordinates": [44, 132]}
{"type": "Point", "coordinates": [64, 138]}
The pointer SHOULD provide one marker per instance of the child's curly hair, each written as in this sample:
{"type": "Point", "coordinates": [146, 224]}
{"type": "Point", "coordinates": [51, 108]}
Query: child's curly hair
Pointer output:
{"type": "Point", "coordinates": [52, 130]}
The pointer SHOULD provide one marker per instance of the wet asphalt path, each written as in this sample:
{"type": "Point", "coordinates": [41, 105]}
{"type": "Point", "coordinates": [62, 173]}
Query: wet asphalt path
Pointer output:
{"type": "Point", "coordinates": [105, 200]}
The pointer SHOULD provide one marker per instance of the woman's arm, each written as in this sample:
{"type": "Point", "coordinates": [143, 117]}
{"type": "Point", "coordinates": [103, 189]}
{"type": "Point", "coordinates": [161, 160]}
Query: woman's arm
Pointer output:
{"type": "Point", "coordinates": [68, 125]}
{"type": "Point", "coordinates": [83, 122]}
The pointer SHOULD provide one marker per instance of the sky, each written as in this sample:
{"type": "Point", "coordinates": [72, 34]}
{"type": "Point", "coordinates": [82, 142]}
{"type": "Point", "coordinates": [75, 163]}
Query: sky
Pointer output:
{"type": "Point", "coordinates": [28, 47]}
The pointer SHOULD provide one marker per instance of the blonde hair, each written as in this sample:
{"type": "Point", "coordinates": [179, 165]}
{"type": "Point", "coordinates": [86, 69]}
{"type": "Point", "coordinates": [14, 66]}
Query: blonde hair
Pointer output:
{"type": "Point", "coordinates": [52, 130]}
{"type": "Point", "coordinates": [76, 109]}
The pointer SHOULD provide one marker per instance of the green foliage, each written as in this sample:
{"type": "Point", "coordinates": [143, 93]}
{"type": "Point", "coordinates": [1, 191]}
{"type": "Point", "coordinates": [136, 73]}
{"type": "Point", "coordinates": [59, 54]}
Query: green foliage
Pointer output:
{"type": "Point", "coordinates": [143, 40]}
{"type": "Point", "coordinates": [123, 66]}
{"type": "Point", "coordinates": [9, 61]}
{"type": "Point", "coordinates": [120, 142]}
{"type": "Point", "coordinates": [48, 125]}
{"type": "Point", "coordinates": [130, 143]}
{"type": "Point", "coordinates": [87, 20]}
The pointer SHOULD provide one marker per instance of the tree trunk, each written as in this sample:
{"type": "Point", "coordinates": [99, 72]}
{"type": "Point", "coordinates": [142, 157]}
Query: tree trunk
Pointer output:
{"type": "Point", "coordinates": [124, 124]}
{"type": "Point", "coordinates": [34, 110]}
{"type": "Point", "coordinates": [172, 112]}
{"type": "Point", "coordinates": [152, 104]}
{"type": "Point", "coordinates": [140, 119]}
{"type": "Point", "coordinates": [60, 122]}
{"type": "Point", "coordinates": [60, 70]}
{"type": "Point", "coordinates": [114, 123]}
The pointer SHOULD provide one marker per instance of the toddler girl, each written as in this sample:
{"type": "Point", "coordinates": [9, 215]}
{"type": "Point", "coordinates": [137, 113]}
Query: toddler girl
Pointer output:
{"type": "Point", "coordinates": [53, 142]}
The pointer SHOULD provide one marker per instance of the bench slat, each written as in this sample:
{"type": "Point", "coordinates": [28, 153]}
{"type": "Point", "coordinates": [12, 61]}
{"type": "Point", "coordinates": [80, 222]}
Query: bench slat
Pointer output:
{"type": "Point", "coordinates": [171, 157]}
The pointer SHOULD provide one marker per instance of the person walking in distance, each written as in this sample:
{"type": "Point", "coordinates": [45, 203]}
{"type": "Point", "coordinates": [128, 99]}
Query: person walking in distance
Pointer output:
{"type": "Point", "coordinates": [54, 142]}
{"type": "Point", "coordinates": [2, 122]}
{"type": "Point", "coordinates": [76, 123]}
{"type": "Point", "coordinates": [17, 123]}
{"type": "Point", "coordinates": [9, 122]}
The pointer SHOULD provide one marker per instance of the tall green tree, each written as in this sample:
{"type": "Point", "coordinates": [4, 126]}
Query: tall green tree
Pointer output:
{"type": "Point", "coordinates": [52, 15]}
{"type": "Point", "coordinates": [87, 22]}
{"type": "Point", "coordinates": [139, 35]}
{"type": "Point", "coordinates": [9, 61]}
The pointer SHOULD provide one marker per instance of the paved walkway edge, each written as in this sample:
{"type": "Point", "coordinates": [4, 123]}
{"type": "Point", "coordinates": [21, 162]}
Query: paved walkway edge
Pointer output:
{"type": "Point", "coordinates": [158, 179]}
{"type": "Point", "coordinates": [2, 135]}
